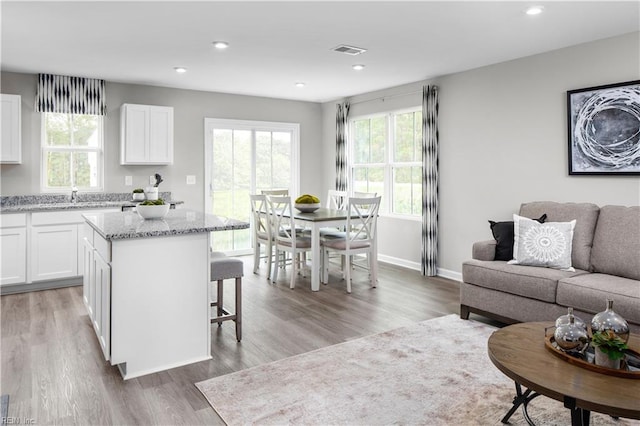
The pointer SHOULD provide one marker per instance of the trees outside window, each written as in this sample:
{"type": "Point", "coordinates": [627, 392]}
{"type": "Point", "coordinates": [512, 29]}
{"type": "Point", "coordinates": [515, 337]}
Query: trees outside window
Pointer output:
{"type": "Point", "coordinates": [386, 158]}
{"type": "Point", "coordinates": [72, 152]}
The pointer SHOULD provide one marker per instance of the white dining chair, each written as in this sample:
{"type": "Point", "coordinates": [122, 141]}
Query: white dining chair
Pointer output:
{"type": "Point", "coordinates": [287, 238]}
{"type": "Point", "coordinates": [262, 235]}
{"type": "Point", "coordinates": [276, 192]}
{"type": "Point", "coordinates": [360, 238]}
{"type": "Point", "coordinates": [358, 194]}
{"type": "Point", "coordinates": [337, 200]}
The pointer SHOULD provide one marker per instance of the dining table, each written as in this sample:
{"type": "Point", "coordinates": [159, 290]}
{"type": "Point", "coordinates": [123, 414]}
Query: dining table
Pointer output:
{"type": "Point", "coordinates": [314, 221]}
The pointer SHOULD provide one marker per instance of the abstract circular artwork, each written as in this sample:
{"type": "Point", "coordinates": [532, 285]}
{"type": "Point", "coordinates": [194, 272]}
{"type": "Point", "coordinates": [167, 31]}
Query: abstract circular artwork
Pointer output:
{"type": "Point", "coordinates": [604, 129]}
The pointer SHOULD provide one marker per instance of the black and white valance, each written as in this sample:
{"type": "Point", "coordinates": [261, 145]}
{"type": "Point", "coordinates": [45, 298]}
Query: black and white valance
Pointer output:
{"type": "Point", "coordinates": [70, 95]}
{"type": "Point", "coordinates": [430, 136]}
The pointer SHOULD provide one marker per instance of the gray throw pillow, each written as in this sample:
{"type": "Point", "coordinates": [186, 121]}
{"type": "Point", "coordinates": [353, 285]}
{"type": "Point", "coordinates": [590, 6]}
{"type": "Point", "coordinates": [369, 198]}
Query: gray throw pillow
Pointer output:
{"type": "Point", "coordinates": [542, 244]}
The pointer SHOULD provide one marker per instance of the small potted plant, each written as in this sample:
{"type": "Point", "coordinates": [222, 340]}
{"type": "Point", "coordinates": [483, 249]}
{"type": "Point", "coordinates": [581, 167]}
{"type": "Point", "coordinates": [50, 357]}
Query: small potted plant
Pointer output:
{"type": "Point", "coordinates": [138, 194]}
{"type": "Point", "coordinates": [609, 348]}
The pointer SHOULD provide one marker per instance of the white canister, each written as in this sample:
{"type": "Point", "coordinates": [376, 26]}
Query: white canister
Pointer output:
{"type": "Point", "coordinates": [151, 192]}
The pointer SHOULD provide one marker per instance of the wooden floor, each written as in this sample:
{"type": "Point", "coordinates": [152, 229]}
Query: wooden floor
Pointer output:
{"type": "Point", "coordinates": [54, 372]}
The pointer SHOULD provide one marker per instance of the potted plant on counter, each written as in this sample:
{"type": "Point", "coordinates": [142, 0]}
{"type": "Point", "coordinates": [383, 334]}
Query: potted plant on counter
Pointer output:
{"type": "Point", "coordinates": [609, 348]}
{"type": "Point", "coordinates": [138, 194]}
{"type": "Point", "coordinates": [153, 209]}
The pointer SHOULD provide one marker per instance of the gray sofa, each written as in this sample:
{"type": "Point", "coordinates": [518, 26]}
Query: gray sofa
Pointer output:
{"type": "Point", "coordinates": [605, 255]}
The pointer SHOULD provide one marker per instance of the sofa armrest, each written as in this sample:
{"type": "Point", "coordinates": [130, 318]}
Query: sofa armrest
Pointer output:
{"type": "Point", "coordinates": [484, 250]}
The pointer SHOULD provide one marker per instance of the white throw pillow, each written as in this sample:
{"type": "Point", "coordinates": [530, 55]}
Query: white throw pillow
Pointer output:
{"type": "Point", "coordinates": [542, 244]}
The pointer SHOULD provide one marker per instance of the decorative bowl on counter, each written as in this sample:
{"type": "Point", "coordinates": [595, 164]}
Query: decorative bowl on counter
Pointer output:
{"type": "Point", "coordinates": [308, 207]}
{"type": "Point", "coordinates": [153, 212]}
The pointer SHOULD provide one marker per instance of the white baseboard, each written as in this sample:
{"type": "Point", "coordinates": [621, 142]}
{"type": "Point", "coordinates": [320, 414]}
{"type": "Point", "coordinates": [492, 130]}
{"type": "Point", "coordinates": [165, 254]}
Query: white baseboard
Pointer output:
{"type": "Point", "coordinates": [399, 262]}
{"type": "Point", "coordinates": [415, 266]}
{"type": "Point", "coordinates": [452, 275]}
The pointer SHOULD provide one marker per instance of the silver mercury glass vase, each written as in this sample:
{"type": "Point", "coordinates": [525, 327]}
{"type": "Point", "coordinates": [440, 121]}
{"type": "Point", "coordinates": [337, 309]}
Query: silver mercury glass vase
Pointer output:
{"type": "Point", "coordinates": [564, 319]}
{"type": "Point", "coordinates": [571, 337]}
{"type": "Point", "coordinates": [609, 320]}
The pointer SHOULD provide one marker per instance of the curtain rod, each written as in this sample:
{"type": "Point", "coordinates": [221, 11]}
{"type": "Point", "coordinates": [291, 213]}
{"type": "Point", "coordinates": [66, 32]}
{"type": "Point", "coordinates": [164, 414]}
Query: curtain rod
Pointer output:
{"type": "Point", "coordinates": [386, 97]}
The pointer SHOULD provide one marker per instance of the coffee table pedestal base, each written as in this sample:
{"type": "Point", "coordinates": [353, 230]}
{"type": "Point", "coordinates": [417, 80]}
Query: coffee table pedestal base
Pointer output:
{"type": "Point", "coordinates": [579, 416]}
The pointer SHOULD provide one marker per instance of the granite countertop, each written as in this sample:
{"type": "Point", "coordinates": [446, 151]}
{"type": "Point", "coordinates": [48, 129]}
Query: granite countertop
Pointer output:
{"type": "Point", "coordinates": [127, 225]}
{"type": "Point", "coordinates": [81, 205]}
{"type": "Point", "coordinates": [56, 202]}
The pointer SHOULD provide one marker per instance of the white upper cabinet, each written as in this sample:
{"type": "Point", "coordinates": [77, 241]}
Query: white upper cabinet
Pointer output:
{"type": "Point", "coordinates": [11, 148]}
{"type": "Point", "coordinates": [146, 134]}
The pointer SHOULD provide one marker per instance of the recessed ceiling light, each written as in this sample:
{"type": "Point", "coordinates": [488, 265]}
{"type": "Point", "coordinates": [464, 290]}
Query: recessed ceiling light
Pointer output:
{"type": "Point", "coordinates": [180, 69]}
{"type": "Point", "coordinates": [358, 67]}
{"type": "Point", "coordinates": [220, 44]}
{"type": "Point", "coordinates": [299, 84]}
{"type": "Point", "coordinates": [534, 10]}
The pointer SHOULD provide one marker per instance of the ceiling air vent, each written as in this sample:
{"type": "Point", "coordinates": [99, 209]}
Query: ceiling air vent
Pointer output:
{"type": "Point", "coordinates": [349, 50]}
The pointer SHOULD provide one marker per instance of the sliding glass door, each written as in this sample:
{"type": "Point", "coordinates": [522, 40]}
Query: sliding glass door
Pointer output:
{"type": "Point", "coordinates": [242, 158]}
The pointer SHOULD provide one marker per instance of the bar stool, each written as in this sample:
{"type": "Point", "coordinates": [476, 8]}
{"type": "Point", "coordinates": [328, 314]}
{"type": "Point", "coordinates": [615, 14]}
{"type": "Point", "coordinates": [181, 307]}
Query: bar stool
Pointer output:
{"type": "Point", "coordinates": [222, 268]}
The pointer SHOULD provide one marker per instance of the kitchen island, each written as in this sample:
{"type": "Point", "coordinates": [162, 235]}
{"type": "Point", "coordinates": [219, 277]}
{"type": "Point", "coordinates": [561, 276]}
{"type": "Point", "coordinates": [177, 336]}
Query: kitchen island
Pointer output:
{"type": "Point", "coordinates": [146, 287]}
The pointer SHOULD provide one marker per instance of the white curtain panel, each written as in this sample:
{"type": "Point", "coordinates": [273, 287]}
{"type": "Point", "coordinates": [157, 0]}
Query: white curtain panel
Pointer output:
{"type": "Point", "coordinates": [342, 119]}
{"type": "Point", "coordinates": [429, 180]}
{"type": "Point", "coordinates": [70, 95]}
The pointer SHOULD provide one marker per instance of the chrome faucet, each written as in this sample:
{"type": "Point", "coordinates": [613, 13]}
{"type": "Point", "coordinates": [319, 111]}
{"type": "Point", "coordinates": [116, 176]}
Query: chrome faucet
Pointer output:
{"type": "Point", "coordinates": [74, 194]}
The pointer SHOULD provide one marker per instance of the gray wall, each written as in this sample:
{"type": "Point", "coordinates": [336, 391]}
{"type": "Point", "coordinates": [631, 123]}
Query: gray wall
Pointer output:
{"type": "Point", "coordinates": [190, 109]}
{"type": "Point", "coordinates": [503, 141]}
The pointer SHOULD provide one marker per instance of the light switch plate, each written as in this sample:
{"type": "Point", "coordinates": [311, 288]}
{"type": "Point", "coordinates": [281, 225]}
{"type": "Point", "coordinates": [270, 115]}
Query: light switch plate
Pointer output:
{"type": "Point", "coordinates": [191, 180]}
{"type": "Point", "coordinates": [128, 181]}
{"type": "Point", "coordinates": [152, 180]}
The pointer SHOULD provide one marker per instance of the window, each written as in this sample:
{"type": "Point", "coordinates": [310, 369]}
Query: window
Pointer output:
{"type": "Point", "coordinates": [72, 151]}
{"type": "Point", "coordinates": [386, 158]}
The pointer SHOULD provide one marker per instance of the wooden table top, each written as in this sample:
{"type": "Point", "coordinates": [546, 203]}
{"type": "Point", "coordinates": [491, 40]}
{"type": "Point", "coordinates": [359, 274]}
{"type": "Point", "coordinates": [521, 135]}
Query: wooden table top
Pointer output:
{"type": "Point", "coordinates": [519, 352]}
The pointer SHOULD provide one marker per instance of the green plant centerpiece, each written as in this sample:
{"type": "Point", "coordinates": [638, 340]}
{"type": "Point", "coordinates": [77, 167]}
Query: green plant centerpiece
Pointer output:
{"type": "Point", "coordinates": [307, 203]}
{"type": "Point", "coordinates": [609, 348]}
{"type": "Point", "coordinates": [158, 202]}
{"type": "Point", "coordinates": [307, 199]}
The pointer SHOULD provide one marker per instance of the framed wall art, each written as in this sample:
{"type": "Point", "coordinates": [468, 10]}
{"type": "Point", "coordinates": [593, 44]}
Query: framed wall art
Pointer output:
{"type": "Point", "coordinates": [604, 129]}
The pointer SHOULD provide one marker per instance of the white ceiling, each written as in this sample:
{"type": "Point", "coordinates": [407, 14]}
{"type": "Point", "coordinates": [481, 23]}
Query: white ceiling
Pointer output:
{"type": "Point", "coordinates": [273, 45]}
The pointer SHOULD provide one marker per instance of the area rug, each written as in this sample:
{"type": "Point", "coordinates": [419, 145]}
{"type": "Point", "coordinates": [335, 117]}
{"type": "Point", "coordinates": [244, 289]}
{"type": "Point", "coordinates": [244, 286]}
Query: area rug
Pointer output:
{"type": "Point", "coordinates": [433, 373]}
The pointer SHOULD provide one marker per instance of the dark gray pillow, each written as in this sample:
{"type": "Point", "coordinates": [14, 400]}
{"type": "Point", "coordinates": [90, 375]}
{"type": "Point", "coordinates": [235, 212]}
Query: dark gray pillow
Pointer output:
{"type": "Point", "coordinates": [503, 233]}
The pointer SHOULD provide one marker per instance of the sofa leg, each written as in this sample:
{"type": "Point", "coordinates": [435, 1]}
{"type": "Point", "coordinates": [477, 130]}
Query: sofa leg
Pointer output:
{"type": "Point", "coordinates": [464, 312]}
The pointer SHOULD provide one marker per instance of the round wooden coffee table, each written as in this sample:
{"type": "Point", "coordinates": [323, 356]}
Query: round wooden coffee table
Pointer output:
{"type": "Point", "coordinates": [519, 352]}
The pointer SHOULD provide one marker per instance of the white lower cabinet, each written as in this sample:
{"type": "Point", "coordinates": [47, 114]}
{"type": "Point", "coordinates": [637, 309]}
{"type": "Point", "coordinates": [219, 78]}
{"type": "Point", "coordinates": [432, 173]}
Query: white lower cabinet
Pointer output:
{"type": "Point", "coordinates": [54, 252]}
{"type": "Point", "coordinates": [13, 248]}
{"type": "Point", "coordinates": [42, 246]}
{"type": "Point", "coordinates": [88, 277]}
{"type": "Point", "coordinates": [102, 303]}
{"type": "Point", "coordinates": [97, 288]}
{"type": "Point", "coordinates": [13, 255]}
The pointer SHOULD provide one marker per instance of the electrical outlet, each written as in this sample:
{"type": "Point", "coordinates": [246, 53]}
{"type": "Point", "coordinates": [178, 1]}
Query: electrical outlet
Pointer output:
{"type": "Point", "coordinates": [152, 180]}
{"type": "Point", "coordinates": [128, 181]}
{"type": "Point", "coordinates": [191, 180]}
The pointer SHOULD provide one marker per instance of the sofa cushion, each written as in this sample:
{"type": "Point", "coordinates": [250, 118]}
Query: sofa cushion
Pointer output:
{"type": "Point", "coordinates": [542, 244]}
{"type": "Point", "coordinates": [586, 216]}
{"type": "Point", "coordinates": [616, 243]}
{"type": "Point", "coordinates": [589, 293]}
{"type": "Point", "coordinates": [503, 232]}
{"type": "Point", "coordinates": [527, 281]}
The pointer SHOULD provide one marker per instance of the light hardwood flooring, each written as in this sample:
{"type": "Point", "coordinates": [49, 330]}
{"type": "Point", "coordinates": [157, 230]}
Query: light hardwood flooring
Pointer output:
{"type": "Point", "coordinates": [54, 372]}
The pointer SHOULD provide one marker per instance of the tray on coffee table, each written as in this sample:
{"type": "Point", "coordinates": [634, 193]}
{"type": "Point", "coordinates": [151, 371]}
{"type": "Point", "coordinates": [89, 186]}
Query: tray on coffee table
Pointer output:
{"type": "Point", "coordinates": [630, 367]}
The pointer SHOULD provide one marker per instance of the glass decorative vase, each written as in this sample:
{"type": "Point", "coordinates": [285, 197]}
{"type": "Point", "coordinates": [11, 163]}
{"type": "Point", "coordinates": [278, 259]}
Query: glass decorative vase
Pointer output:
{"type": "Point", "coordinates": [571, 337]}
{"type": "Point", "coordinates": [564, 319]}
{"type": "Point", "coordinates": [609, 320]}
